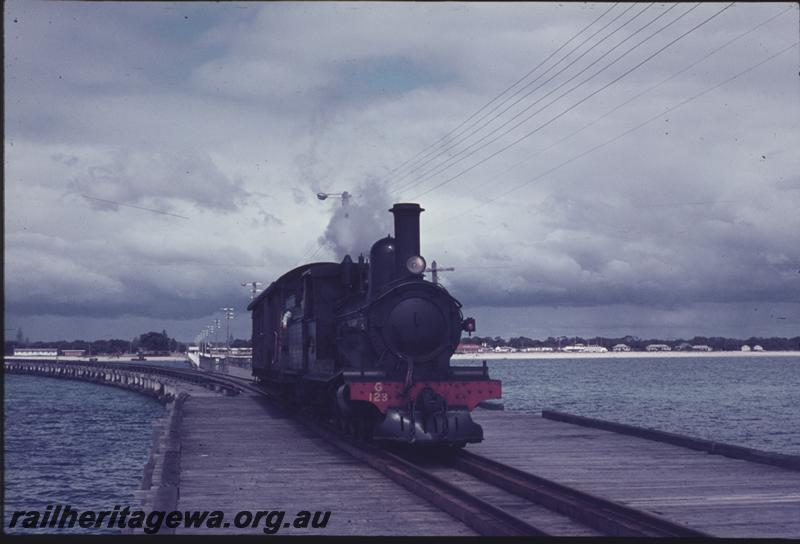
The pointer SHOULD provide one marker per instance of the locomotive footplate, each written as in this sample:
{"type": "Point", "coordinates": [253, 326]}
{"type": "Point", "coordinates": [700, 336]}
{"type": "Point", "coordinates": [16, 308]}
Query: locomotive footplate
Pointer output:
{"type": "Point", "coordinates": [387, 395]}
{"type": "Point", "coordinates": [429, 411]}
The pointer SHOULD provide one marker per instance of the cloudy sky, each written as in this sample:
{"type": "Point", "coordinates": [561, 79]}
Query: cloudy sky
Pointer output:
{"type": "Point", "coordinates": [587, 169]}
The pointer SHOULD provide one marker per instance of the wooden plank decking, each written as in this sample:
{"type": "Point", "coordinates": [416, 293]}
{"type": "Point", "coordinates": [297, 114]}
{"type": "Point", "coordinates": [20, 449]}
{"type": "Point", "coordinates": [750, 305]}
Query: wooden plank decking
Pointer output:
{"type": "Point", "coordinates": [238, 453]}
{"type": "Point", "coordinates": [721, 496]}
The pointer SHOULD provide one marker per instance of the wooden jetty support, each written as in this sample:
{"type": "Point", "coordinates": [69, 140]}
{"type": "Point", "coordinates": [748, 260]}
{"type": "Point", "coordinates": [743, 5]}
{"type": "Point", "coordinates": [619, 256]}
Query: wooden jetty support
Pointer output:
{"type": "Point", "coordinates": [152, 381]}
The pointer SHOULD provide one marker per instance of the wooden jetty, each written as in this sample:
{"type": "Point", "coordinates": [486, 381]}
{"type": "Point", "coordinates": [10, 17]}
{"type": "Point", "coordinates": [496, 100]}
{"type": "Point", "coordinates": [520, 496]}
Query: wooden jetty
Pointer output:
{"type": "Point", "coordinates": [240, 453]}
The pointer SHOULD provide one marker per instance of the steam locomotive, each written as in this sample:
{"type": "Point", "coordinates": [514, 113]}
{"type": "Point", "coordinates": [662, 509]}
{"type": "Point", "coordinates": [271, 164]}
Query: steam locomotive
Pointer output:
{"type": "Point", "coordinates": [367, 344]}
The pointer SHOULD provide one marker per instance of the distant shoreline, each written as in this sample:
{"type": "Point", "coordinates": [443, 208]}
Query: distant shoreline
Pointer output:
{"type": "Point", "coordinates": [493, 356]}
{"type": "Point", "coordinates": [621, 355]}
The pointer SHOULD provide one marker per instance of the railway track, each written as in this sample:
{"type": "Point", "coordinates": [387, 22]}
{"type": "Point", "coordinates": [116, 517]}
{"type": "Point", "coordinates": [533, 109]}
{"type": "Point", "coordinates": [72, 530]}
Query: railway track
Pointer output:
{"type": "Point", "coordinates": [604, 516]}
{"type": "Point", "coordinates": [541, 507]}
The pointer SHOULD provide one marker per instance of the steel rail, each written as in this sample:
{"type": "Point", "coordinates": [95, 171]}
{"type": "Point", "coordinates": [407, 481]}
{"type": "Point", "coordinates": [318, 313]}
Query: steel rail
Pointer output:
{"type": "Point", "coordinates": [606, 516]}
{"type": "Point", "coordinates": [479, 515]}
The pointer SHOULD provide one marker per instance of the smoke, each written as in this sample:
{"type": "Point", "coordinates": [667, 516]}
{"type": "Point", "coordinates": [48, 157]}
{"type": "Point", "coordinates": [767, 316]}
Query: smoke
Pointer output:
{"type": "Point", "coordinates": [355, 227]}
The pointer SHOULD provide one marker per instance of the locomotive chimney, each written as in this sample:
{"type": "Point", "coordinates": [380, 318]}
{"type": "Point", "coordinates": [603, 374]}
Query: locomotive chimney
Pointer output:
{"type": "Point", "coordinates": [406, 234]}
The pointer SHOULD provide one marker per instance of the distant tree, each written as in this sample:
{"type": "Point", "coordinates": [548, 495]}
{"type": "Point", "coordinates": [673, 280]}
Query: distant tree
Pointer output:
{"type": "Point", "coordinates": [117, 346]}
{"type": "Point", "coordinates": [8, 347]}
{"type": "Point", "coordinates": [77, 344]}
{"type": "Point", "coordinates": [521, 342]}
{"type": "Point", "coordinates": [154, 341]}
{"type": "Point", "coordinates": [101, 347]}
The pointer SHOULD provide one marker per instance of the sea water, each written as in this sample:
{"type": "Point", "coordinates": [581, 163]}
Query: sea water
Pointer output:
{"type": "Point", "coordinates": [73, 443]}
{"type": "Point", "coordinates": [747, 401]}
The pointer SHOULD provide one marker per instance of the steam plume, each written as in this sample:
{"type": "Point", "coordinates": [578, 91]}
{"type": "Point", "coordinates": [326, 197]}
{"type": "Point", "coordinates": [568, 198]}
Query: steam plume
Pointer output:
{"type": "Point", "coordinates": [355, 227]}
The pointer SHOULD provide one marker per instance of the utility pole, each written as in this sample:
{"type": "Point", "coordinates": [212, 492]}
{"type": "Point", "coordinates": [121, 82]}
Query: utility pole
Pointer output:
{"type": "Point", "coordinates": [434, 270]}
{"type": "Point", "coordinates": [209, 343]}
{"type": "Point", "coordinates": [228, 317]}
{"type": "Point", "coordinates": [253, 287]}
{"type": "Point", "coordinates": [344, 195]}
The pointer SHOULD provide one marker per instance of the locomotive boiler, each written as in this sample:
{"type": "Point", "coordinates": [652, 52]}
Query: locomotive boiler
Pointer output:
{"type": "Point", "coordinates": [367, 344]}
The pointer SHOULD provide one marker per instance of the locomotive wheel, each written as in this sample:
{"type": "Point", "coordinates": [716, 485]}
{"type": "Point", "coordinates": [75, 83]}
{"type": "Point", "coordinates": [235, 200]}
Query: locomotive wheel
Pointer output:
{"type": "Point", "coordinates": [364, 418]}
{"type": "Point", "coordinates": [362, 428]}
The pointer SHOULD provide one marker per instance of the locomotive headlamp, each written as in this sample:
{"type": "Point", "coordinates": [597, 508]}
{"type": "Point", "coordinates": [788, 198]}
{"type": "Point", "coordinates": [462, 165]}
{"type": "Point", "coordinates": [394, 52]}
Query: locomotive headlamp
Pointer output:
{"type": "Point", "coordinates": [416, 264]}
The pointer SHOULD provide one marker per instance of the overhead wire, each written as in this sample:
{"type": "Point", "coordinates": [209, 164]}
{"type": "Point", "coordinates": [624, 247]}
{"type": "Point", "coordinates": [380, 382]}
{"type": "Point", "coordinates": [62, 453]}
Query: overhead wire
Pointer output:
{"type": "Point", "coordinates": [484, 106]}
{"type": "Point", "coordinates": [453, 136]}
{"type": "Point", "coordinates": [319, 247]}
{"type": "Point", "coordinates": [464, 123]}
{"type": "Point", "coordinates": [642, 93]}
{"type": "Point", "coordinates": [114, 202]}
{"type": "Point", "coordinates": [564, 112]}
{"type": "Point", "coordinates": [477, 129]}
{"type": "Point", "coordinates": [309, 255]}
{"type": "Point", "coordinates": [472, 149]}
{"type": "Point", "coordinates": [623, 134]}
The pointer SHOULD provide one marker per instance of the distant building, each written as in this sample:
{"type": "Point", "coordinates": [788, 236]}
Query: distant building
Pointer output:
{"type": "Point", "coordinates": [701, 347]}
{"type": "Point", "coordinates": [621, 347]}
{"type": "Point", "coordinates": [73, 352]}
{"type": "Point", "coordinates": [757, 348]}
{"type": "Point", "coordinates": [683, 346]}
{"type": "Point", "coordinates": [595, 349]}
{"type": "Point", "coordinates": [745, 348]}
{"type": "Point", "coordinates": [36, 352]}
{"type": "Point", "coordinates": [658, 347]}
{"type": "Point", "coordinates": [467, 348]}
{"type": "Point", "coordinates": [537, 349]}
{"type": "Point", "coordinates": [580, 348]}
{"type": "Point", "coordinates": [504, 349]}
